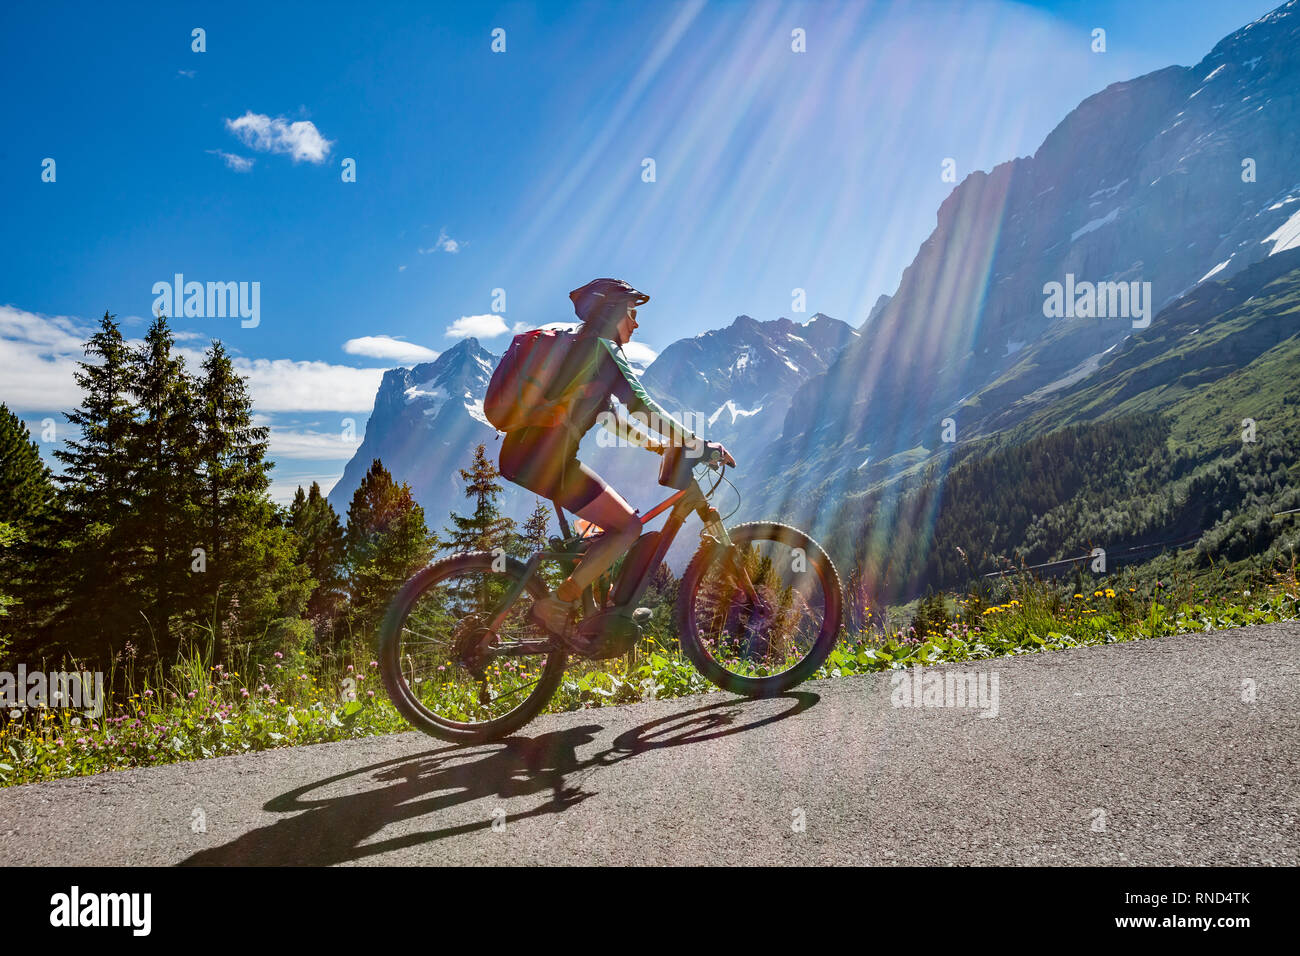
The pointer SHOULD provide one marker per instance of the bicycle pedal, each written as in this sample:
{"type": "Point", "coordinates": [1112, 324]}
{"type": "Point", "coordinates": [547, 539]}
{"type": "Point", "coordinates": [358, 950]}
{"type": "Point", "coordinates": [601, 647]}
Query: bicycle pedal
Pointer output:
{"type": "Point", "coordinates": [608, 634]}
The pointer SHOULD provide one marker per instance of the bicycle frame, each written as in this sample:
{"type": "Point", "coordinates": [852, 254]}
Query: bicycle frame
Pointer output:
{"type": "Point", "coordinates": [682, 504]}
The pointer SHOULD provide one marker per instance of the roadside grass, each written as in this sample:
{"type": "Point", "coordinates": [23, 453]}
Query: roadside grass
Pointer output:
{"type": "Point", "coordinates": [1034, 616]}
{"type": "Point", "coordinates": [202, 708]}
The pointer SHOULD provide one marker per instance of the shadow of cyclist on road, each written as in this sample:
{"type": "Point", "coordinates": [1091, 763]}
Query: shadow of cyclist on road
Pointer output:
{"type": "Point", "coordinates": [333, 830]}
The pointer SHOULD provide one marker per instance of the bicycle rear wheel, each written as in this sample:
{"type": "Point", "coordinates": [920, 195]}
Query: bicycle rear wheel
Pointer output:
{"type": "Point", "coordinates": [448, 669]}
{"type": "Point", "coordinates": [760, 617]}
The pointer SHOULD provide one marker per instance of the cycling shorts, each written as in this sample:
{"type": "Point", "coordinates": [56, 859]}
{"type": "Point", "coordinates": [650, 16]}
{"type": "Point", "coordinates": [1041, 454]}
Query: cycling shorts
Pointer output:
{"type": "Point", "coordinates": [545, 461]}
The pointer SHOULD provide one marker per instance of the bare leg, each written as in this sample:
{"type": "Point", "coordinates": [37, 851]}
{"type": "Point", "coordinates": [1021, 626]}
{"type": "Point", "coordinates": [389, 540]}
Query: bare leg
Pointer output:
{"type": "Point", "coordinates": [622, 527]}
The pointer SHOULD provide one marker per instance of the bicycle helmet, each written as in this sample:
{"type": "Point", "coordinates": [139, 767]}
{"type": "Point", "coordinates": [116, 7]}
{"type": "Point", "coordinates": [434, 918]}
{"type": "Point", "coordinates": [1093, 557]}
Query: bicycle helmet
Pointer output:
{"type": "Point", "coordinates": [600, 300]}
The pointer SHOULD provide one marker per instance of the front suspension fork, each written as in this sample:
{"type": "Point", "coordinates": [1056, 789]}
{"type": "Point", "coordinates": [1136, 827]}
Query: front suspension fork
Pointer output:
{"type": "Point", "coordinates": [714, 529]}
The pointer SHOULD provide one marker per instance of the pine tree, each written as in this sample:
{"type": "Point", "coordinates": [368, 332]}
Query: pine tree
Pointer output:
{"type": "Point", "coordinates": [319, 537]}
{"type": "Point", "coordinates": [10, 540]}
{"type": "Point", "coordinates": [26, 506]}
{"type": "Point", "coordinates": [93, 571]}
{"type": "Point", "coordinates": [26, 490]}
{"type": "Point", "coordinates": [165, 522]}
{"type": "Point", "coordinates": [385, 543]}
{"type": "Point", "coordinates": [536, 530]}
{"type": "Point", "coordinates": [234, 470]}
{"type": "Point", "coordinates": [921, 619]}
{"type": "Point", "coordinates": [939, 619]}
{"type": "Point", "coordinates": [487, 528]}
{"type": "Point", "coordinates": [252, 575]}
{"type": "Point", "coordinates": [931, 619]}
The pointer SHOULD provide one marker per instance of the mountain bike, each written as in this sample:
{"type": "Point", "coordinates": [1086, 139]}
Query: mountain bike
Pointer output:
{"type": "Point", "coordinates": [758, 611]}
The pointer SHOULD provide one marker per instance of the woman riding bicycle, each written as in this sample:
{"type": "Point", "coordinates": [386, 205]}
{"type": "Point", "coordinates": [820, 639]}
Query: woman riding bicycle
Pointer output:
{"type": "Point", "coordinates": [545, 460]}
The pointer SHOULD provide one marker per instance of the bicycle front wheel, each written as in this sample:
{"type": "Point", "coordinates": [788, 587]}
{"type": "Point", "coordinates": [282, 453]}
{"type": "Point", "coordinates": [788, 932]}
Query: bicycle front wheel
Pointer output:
{"type": "Point", "coordinates": [456, 663]}
{"type": "Point", "coordinates": [761, 616]}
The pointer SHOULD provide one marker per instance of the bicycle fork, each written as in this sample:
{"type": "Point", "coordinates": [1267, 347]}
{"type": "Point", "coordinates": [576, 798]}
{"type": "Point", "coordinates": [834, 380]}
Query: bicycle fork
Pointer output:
{"type": "Point", "coordinates": [714, 529]}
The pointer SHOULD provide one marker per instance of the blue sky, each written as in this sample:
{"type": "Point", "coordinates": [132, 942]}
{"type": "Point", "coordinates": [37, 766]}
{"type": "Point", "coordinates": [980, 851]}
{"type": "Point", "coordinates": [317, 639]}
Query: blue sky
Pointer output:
{"type": "Point", "coordinates": [520, 170]}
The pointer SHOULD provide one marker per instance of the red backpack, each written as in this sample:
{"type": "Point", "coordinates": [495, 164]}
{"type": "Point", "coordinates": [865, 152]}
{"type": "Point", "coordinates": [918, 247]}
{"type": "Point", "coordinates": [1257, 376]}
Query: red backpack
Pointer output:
{"type": "Point", "coordinates": [516, 396]}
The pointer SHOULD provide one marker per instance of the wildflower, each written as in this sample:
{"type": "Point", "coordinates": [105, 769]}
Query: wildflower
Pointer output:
{"type": "Point", "coordinates": [278, 655]}
{"type": "Point", "coordinates": [148, 693]}
{"type": "Point", "coordinates": [192, 694]}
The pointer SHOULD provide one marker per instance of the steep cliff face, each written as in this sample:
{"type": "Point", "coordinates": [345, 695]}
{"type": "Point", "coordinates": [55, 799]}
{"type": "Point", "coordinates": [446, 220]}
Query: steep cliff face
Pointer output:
{"type": "Point", "coordinates": [738, 381]}
{"type": "Point", "coordinates": [1167, 180]}
{"type": "Point", "coordinates": [425, 425]}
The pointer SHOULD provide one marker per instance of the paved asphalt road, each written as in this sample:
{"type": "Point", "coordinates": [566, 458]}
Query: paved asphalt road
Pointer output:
{"type": "Point", "coordinates": [1138, 753]}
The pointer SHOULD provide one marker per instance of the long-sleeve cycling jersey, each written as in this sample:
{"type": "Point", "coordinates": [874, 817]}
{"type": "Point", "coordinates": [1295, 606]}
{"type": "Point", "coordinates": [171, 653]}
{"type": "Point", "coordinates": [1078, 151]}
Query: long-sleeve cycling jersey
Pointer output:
{"type": "Point", "coordinates": [601, 364]}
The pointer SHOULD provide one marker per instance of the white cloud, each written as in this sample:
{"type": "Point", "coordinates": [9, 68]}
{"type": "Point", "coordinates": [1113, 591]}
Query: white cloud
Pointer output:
{"type": "Point", "coordinates": [188, 74]}
{"type": "Point", "coordinates": [487, 326]}
{"type": "Point", "coordinates": [300, 139]}
{"type": "Point", "coordinates": [285, 385]}
{"type": "Point", "coordinates": [39, 354]}
{"type": "Point", "coordinates": [640, 354]}
{"type": "Point", "coordinates": [387, 347]}
{"type": "Point", "coordinates": [312, 445]}
{"type": "Point", "coordinates": [240, 164]}
{"type": "Point", "coordinates": [444, 244]}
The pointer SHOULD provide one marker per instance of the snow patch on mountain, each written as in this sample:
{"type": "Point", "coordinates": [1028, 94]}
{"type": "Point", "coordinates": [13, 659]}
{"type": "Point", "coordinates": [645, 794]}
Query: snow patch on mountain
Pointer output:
{"type": "Point", "coordinates": [475, 409]}
{"type": "Point", "coordinates": [1219, 268]}
{"type": "Point", "coordinates": [1286, 236]}
{"type": "Point", "coordinates": [1094, 224]}
{"type": "Point", "coordinates": [736, 413]}
{"type": "Point", "coordinates": [417, 394]}
{"type": "Point", "coordinates": [1109, 190]}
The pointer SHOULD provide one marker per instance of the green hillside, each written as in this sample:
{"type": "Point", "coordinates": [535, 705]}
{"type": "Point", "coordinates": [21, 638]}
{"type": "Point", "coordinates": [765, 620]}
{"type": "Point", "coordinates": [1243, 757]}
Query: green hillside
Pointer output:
{"type": "Point", "coordinates": [1188, 432]}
